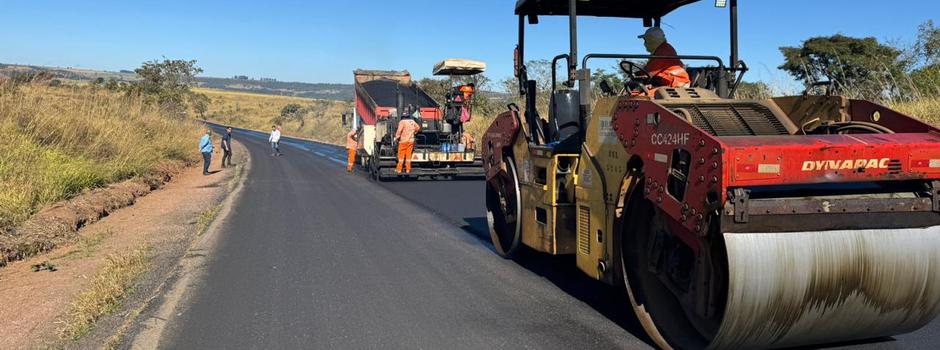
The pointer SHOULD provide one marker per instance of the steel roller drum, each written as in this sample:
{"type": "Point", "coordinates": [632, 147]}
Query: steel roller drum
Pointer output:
{"type": "Point", "coordinates": [789, 289]}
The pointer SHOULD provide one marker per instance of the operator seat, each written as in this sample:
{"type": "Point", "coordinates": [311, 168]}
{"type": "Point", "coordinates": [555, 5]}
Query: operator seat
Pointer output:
{"type": "Point", "coordinates": [565, 122]}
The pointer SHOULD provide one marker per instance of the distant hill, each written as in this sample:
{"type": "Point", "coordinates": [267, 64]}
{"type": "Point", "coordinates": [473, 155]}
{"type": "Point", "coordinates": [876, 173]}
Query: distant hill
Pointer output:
{"type": "Point", "coordinates": [339, 92]}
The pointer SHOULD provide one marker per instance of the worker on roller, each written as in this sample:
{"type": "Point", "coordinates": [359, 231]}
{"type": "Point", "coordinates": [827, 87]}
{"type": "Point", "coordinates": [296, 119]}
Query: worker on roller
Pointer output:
{"type": "Point", "coordinates": [352, 144]}
{"type": "Point", "coordinates": [405, 135]}
{"type": "Point", "coordinates": [665, 72]}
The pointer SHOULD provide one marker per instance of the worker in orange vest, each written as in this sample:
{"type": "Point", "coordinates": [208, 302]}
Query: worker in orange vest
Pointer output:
{"type": "Point", "coordinates": [405, 134]}
{"type": "Point", "coordinates": [669, 72]}
{"type": "Point", "coordinates": [467, 91]}
{"type": "Point", "coordinates": [467, 140]}
{"type": "Point", "coordinates": [352, 144]}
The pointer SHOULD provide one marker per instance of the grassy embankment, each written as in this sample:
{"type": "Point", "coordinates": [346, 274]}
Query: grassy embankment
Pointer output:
{"type": "Point", "coordinates": [322, 118]}
{"type": "Point", "coordinates": [58, 141]}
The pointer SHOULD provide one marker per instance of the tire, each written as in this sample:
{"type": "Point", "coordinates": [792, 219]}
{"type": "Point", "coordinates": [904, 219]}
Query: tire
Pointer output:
{"type": "Point", "coordinates": [659, 311]}
{"type": "Point", "coordinates": [504, 221]}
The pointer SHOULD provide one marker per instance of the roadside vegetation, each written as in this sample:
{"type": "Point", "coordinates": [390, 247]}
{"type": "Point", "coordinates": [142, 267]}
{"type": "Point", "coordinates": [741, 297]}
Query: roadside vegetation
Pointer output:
{"type": "Point", "coordinates": [61, 140]}
{"type": "Point", "coordinates": [904, 77]}
{"type": "Point", "coordinates": [105, 294]}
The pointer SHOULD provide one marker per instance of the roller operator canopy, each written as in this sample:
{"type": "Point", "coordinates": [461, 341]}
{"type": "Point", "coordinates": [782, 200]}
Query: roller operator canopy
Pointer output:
{"type": "Point", "coordinates": [601, 8]}
{"type": "Point", "coordinates": [457, 66]}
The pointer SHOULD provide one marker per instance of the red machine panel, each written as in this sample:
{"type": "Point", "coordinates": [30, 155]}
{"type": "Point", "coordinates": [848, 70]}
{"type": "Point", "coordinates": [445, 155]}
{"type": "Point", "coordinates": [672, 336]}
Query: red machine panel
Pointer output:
{"type": "Point", "coordinates": [775, 160]}
{"type": "Point", "coordinates": [689, 172]}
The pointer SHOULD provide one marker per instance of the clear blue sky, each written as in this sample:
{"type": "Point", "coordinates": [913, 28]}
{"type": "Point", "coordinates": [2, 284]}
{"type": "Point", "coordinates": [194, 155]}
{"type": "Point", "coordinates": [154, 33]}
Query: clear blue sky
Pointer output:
{"type": "Point", "coordinates": [323, 41]}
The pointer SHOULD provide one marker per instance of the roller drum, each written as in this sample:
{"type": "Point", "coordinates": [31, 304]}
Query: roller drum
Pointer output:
{"type": "Point", "coordinates": [798, 288]}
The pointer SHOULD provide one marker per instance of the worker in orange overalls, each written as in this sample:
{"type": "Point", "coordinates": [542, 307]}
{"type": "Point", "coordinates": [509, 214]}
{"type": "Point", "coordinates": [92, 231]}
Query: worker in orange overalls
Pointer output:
{"type": "Point", "coordinates": [668, 72]}
{"type": "Point", "coordinates": [352, 144]}
{"type": "Point", "coordinates": [405, 134]}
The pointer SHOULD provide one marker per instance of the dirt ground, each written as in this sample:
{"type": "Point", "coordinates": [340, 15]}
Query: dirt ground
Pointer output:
{"type": "Point", "coordinates": [33, 304]}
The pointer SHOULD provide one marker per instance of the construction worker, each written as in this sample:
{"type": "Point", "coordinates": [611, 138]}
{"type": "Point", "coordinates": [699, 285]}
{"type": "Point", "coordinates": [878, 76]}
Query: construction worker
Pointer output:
{"type": "Point", "coordinates": [405, 135]}
{"type": "Point", "coordinates": [352, 144]}
{"type": "Point", "coordinates": [668, 72]}
{"type": "Point", "coordinates": [415, 113]}
{"type": "Point", "coordinates": [467, 140]}
{"type": "Point", "coordinates": [467, 91]}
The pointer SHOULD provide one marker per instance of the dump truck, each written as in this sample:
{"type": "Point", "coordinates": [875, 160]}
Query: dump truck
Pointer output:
{"type": "Point", "coordinates": [381, 97]}
{"type": "Point", "coordinates": [729, 223]}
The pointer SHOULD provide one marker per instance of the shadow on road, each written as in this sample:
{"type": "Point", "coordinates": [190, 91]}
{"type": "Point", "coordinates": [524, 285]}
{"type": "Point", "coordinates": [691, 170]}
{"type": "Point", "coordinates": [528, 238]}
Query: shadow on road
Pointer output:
{"type": "Point", "coordinates": [562, 271]}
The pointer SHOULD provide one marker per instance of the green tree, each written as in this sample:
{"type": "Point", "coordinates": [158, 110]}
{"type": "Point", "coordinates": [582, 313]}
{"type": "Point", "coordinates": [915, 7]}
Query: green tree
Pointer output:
{"type": "Point", "coordinates": [753, 91]}
{"type": "Point", "coordinates": [541, 72]}
{"type": "Point", "coordinates": [926, 81]}
{"type": "Point", "coordinates": [485, 102]}
{"type": "Point", "coordinates": [856, 66]}
{"type": "Point", "coordinates": [167, 83]}
{"type": "Point", "coordinates": [927, 47]}
{"type": "Point", "coordinates": [200, 103]}
{"type": "Point", "coordinates": [291, 112]}
{"type": "Point", "coordinates": [615, 79]}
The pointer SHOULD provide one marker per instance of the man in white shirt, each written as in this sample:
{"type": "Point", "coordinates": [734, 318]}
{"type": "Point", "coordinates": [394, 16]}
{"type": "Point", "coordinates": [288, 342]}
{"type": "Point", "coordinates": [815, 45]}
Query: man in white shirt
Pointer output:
{"type": "Point", "coordinates": [275, 139]}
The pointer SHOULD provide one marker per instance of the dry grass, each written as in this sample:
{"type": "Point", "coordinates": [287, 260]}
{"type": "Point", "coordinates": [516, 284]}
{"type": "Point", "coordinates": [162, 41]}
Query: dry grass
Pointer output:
{"type": "Point", "coordinates": [322, 118]}
{"type": "Point", "coordinates": [60, 141]}
{"type": "Point", "coordinates": [107, 290]}
{"type": "Point", "coordinates": [86, 246]}
{"type": "Point", "coordinates": [927, 109]}
{"type": "Point", "coordinates": [206, 218]}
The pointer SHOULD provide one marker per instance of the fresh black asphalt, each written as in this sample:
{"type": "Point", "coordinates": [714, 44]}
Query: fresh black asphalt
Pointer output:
{"type": "Point", "coordinates": [312, 257]}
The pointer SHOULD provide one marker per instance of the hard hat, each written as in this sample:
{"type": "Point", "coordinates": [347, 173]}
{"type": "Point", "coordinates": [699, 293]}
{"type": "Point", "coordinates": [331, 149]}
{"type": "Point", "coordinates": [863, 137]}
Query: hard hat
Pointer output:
{"type": "Point", "coordinates": [653, 33]}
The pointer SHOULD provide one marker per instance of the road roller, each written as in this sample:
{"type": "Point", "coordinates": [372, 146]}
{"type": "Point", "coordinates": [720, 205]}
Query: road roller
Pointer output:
{"type": "Point", "coordinates": [729, 223]}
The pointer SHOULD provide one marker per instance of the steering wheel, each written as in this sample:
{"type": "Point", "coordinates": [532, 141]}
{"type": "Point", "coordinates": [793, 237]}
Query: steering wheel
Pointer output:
{"type": "Point", "coordinates": [634, 71]}
{"type": "Point", "coordinates": [639, 78]}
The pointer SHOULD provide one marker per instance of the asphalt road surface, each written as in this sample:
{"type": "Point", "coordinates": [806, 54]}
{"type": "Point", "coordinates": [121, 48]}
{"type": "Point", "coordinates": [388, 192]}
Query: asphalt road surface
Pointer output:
{"type": "Point", "coordinates": [313, 257]}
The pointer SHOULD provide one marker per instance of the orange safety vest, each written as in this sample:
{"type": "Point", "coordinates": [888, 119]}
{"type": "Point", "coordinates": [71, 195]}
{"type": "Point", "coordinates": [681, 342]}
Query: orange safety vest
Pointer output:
{"type": "Point", "coordinates": [467, 91]}
{"type": "Point", "coordinates": [407, 129]}
{"type": "Point", "coordinates": [351, 142]}
{"type": "Point", "coordinates": [667, 71]}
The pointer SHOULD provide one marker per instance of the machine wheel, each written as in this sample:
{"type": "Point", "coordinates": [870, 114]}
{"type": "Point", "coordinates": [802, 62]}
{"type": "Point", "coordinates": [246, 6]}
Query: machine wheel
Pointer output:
{"type": "Point", "coordinates": [373, 169]}
{"type": "Point", "coordinates": [504, 211]}
{"type": "Point", "coordinates": [661, 311]}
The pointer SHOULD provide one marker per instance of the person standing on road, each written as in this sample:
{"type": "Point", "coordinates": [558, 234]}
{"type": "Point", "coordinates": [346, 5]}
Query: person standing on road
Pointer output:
{"type": "Point", "coordinates": [227, 147]}
{"type": "Point", "coordinates": [205, 146]}
{"type": "Point", "coordinates": [352, 143]}
{"type": "Point", "coordinates": [405, 134]}
{"type": "Point", "coordinates": [275, 140]}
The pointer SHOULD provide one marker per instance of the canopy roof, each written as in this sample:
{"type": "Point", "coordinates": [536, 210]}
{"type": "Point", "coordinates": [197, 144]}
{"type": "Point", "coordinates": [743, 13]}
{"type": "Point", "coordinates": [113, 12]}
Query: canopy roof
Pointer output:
{"type": "Point", "coordinates": [456, 66]}
{"type": "Point", "coordinates": [601, 8]}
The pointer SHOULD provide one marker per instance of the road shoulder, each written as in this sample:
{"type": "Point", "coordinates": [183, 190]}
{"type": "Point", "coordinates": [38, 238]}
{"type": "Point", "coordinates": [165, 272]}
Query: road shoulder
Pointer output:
{"type": "Point", "coordinates": [159, 226]}
{"type": "Point", "coordinates": [147, 328]}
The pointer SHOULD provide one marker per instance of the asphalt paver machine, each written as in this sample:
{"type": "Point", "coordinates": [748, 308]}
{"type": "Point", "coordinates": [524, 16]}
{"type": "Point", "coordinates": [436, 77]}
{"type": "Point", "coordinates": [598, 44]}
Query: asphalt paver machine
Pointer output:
{"type": "Point", "coordinates": [730, 223]}
{"type": "Point", "coordinates": [382, 97]}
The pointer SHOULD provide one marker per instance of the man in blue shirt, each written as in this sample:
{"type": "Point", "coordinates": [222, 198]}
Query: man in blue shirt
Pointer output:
{"type": "Point", "coordinates": [227, 147]}
{"type": "Point", "coordinates": [205, 146]}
